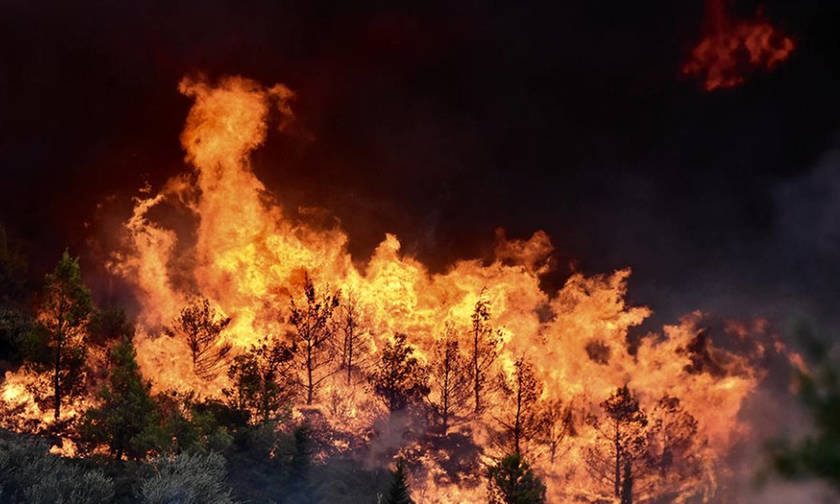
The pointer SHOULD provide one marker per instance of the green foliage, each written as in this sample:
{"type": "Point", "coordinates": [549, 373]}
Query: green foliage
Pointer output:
{"type": "Point", "coordinates": [400, 379]}
{"type": "Point", "coordinates": [260, 378]}
{"type": "Point", "coordinates": [513, 482]}
{"type": "Point", "coordinates": [398, 492]}
{"type": "Point", "coordinates": [109, 324]}
{"type": "Point", "coordinates": [64, 312]}
{"type": "Point", "coordinates": [15, 326]}
{"type": "Point", "coordinates": [179, 424]}
{"type": "Point", "coordinates": [818, 454]}
{"type": "Point", "coordinates": [126, 408]}
{"type": "Point", "coordinates": [187, 479]}
{"type": "Point", "coordinates": [13, 270]}
{"type": "Point", "coordinates": [28, 473]}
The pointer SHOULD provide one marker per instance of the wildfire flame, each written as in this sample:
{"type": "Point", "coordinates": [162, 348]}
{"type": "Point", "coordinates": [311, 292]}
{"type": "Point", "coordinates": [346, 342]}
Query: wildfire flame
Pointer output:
{"type": "Point", "coordinates": [733, 48]}
{"type": "Point", "coordinates": [216, 231]}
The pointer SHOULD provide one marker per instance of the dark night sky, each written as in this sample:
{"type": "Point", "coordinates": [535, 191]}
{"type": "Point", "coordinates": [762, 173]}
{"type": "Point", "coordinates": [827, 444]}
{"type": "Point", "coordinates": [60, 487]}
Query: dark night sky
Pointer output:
{"type": "Point", "coordinates": [441, 123]}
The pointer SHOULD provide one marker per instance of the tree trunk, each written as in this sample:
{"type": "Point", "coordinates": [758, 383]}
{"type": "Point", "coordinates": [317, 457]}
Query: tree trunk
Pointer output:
{"type": "Point", "coordinates": [309, 386]}
{"type": "Point", "coordinates": [56, 383]}
{"type": "Point", "coordinates": [350, 356]}
{"type": "Point", "coordinates": [617, 442]}
{"type": "Point", "coordinates": [477, 384]}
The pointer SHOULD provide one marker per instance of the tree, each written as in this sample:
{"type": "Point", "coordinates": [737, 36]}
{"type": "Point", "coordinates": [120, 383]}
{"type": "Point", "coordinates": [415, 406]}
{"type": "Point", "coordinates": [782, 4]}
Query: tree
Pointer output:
{"type": "Point", "coordinates": [126, 407]}
{"type": "Point", "coordinates": [354, 344]}
{"type": "Point", "coordinates": [450, 379]}
{"type": "Point", "coordinates": [400, 379]}
{"type": "Point", "coordinates": [621, 440]}
{"type": "Point", "coordinates": [199, 326]}
{"type": "Point", "coordinates": [522, 390]}
{"type": "Point", "coordinates": [512, 481]}
{"type": "Point", "coordinates": [260, 379]}
{"type": "Point", "coordinates": [556, 424]}
{"type": "Point", "coordinates": [817, 454]}
{"type": "Point", "coordinates": [398, 492]}
{"type": "Point", "coordinates": [313, 335]}
{"type": "Point", "coordinates": [109, 324]}
{"type": "Point", "coordinates": [65, 308]}
{"type": "Point", "coordinates": [671, 441]}
{"type": "Point", "coordinates": [483, 351]}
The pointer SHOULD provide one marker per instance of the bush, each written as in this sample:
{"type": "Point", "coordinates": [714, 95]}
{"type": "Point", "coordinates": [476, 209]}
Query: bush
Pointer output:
{"type": "Point", "coordinates": [187, 479]}
{"type": "Point", "coordinates": [28, 473]}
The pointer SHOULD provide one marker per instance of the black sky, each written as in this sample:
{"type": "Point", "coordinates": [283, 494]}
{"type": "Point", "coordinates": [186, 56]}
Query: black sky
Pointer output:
{"type": "Point", "coordinates": [441, 122]}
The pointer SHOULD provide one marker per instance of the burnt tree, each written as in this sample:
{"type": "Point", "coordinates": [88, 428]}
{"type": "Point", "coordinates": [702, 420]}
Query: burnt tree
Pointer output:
{"type": "Point", "coordinates": [354, 344]}
{"type": "Point", "coordinates": [450, 379]}
{"type": "Point", "coordinates": [483, 351]}
{"type": "Point", "coordinates": [521, 390]}
{"type": "Point", "coordinates": [556, 424]}
{"type": "Point", "coordinates": [621, 441]}
{"type": "Point", "coordinates": [313, 335]}
{"type": "Point", "coordinates": [201, 329]}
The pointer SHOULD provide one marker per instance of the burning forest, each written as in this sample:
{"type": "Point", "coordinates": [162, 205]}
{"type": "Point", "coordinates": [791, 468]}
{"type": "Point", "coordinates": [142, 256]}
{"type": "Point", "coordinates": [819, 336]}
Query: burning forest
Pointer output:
{"type": "Point", "coordinates": [252, 357]}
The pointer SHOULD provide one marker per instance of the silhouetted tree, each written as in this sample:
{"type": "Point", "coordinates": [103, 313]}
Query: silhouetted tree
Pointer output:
{"type": "Point", "coordinates": [483, 350]}
{"type": "Point", "coordinates": [521, 418]}
{"type": "Point", "coordinates": [109, 324]}
{"type": "Point", "coordinates": [126, 407]}
{"type": "Point", "coordinates": [313, 335]}
{"type": "Point", "coordinates": [556, 424]}
{"type": "Point", "coordinates": [399, 378]}
{"type": "Point", "coordinates": [199, 326]}
{"type": "Point", "coordinates": [65, 310]}
{"type": "Point", "coordinates": [512, 481]}
{"type": "Point", "coordinates": [354, 344]}
{"type": "Point", "coordinates": [398, 492]}
{"type": "Point", "coordinates": [671, 441]}
{"type": "Point", "coordinates": [450, 379]}
{"type": "Point", "coordinates": [621, 440]}
{"type": "Point", "coordinates": [260, 379]}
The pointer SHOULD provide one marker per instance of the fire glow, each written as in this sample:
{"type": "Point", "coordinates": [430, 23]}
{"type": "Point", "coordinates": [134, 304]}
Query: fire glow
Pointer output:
{"type": "Point", "coordinates": [733, 48]}
{"type": "Point", "coordinates": [237, 248]}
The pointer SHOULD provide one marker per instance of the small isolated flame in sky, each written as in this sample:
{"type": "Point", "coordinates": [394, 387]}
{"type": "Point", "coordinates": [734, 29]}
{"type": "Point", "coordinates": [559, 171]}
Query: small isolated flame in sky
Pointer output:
{"type": "Point", "coordinates": [732, 48]}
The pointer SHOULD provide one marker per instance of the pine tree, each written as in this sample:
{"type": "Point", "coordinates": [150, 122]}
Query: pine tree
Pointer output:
{"type": "Point", "coordinates": [400, 379]}
{"type": "Point", "coordinates": [512, 481]}
{"type": "Point", "coordinates": [621, 441]}
{"type": "Point", "coordinates": [398, 492]}
{"type": "Point", "coordinates": [314, 335]}
{"type": "Point", "coordinates": [520, 420]}
{"type": "Point", "coordinates": [450, 380]}
{"type": "Point", "coordinates": [483, 351]}
{"type": "Point", "coordinates": [260, 378]}
{"type": "Point", "coordinates": [126, 405]}
{"type": "Point", "coordinates": [201, 329]}
{"type": "Point", "coordinates": [65, 309]}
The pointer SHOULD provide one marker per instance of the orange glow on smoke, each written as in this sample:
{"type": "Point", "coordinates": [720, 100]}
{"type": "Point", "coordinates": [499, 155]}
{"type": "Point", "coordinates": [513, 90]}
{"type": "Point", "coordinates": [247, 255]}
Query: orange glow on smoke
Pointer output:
{"type": "Point", "coordinates": [733, 48]}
